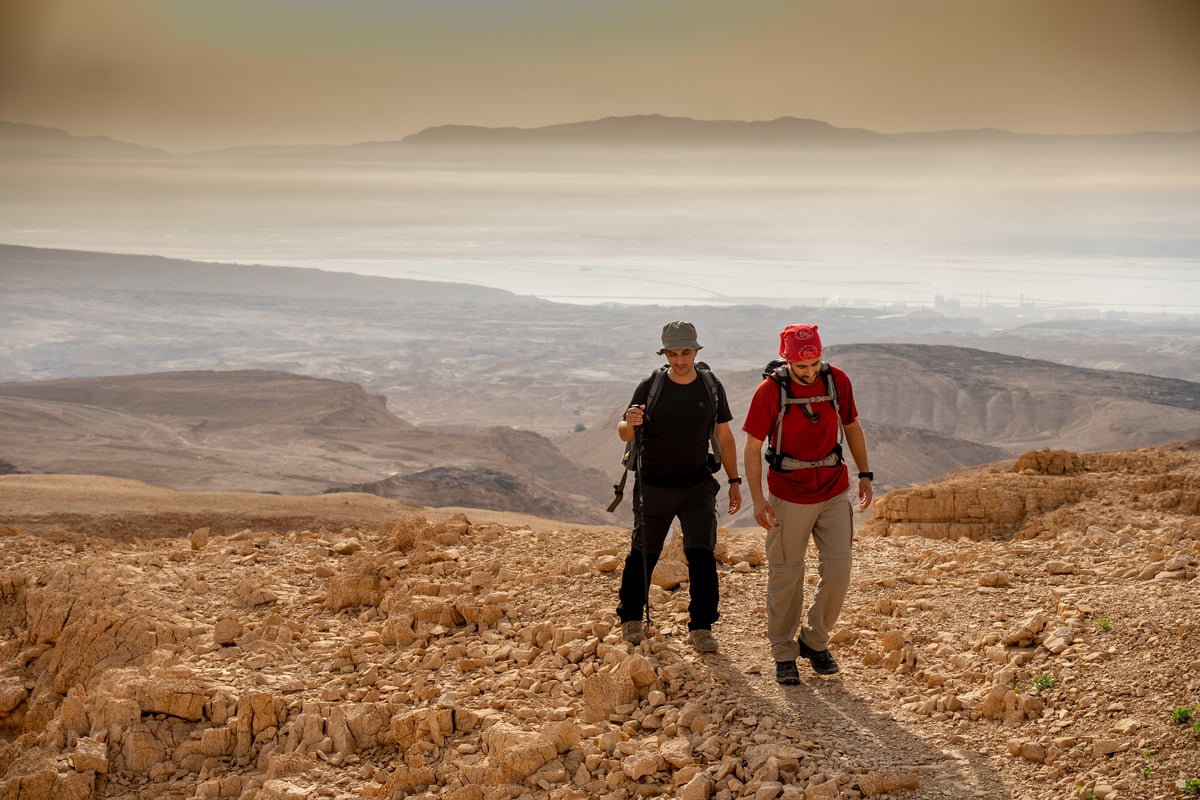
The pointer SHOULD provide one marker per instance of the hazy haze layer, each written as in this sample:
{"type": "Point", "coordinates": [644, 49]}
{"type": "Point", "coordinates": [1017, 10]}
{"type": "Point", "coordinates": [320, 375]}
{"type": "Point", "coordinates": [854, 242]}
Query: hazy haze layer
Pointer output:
{"type": "Point", "coordinates": [1055, 228]}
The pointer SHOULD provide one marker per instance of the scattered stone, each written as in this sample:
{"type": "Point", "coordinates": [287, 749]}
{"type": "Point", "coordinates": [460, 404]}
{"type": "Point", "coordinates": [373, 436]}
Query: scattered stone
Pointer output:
{"type": "Point", "coordinates": [884, 781]}
{"type": "Point", "coordinates": [91, 755]}
{"type": "Point", "coordinates": [198, 538]}
{"type": "Point", "coordinates": [483, 661]}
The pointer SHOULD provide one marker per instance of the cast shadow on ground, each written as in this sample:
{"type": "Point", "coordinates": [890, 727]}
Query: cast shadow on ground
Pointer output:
{"type": "Point", "coordinates": [859, 738]}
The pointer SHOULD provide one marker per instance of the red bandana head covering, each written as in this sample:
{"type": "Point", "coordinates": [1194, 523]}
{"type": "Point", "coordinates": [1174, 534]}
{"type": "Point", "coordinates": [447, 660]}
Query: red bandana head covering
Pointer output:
{"type": "Point", "coordinates": [800, 343]}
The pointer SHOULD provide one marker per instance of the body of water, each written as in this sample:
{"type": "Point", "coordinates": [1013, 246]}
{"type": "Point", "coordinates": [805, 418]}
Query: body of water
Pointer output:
{"type": "Point", "coordinates": [1116, 242]}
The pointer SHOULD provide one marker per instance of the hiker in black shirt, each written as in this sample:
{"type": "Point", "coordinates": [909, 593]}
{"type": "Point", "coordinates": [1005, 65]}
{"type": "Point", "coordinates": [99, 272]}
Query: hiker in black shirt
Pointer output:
{"type": "Point", "coordinates": [672, 421]}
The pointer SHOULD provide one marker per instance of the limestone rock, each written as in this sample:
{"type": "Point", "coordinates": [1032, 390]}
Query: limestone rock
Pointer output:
{"type": "Point", "coordinates": [226, 631]}
{"type": "Point", "coordinates": [699, 787]}
{"type": "Point", "coordinates": [198, 538]}
{"type": "Point", "coordinates": [515, 754]}
{"type": "Point", "coordinates": [91, 755]}
{"type": "Point", "coordinates": [604, 692]}
{"type": "Point", "coordinates": [884, 781]}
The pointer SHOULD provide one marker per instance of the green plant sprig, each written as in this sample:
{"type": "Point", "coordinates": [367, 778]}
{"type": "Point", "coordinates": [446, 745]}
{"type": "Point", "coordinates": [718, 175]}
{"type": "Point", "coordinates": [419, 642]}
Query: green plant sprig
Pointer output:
{"type": "Point", "coordinates": [1043, 682]}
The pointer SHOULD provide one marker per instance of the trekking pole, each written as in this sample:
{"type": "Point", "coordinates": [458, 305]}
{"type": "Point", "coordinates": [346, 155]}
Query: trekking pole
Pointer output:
{"type": "Point", "coordinates": [639, 520]}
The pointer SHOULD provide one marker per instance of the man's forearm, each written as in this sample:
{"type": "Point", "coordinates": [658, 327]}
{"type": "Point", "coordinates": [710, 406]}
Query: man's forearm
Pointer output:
{"type": "Point", "coordinates": [752, 462]}
{"type": "Point", "coordinates": [856, 440]}
{"type": "Point", "coordinates": [729, 453]}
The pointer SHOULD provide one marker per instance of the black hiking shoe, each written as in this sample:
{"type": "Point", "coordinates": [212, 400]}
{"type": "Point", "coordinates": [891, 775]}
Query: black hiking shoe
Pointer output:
{"type": "Point", "coordinates": [821, 661]}
{"type": "Point", "coordinates": [786, 673]}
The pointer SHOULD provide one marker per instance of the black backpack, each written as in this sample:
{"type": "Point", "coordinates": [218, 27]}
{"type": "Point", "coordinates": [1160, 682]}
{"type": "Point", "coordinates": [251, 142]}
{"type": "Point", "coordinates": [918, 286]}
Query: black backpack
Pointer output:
{"type": "Point", "coordinates": [629, 460]}
{"type": "Point", "coordinates": [777, 371]}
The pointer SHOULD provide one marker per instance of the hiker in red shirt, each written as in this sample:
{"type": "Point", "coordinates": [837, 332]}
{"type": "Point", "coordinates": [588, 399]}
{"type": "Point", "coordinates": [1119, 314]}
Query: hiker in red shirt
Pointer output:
{"type": "Point", "coordinates": [809, 494]}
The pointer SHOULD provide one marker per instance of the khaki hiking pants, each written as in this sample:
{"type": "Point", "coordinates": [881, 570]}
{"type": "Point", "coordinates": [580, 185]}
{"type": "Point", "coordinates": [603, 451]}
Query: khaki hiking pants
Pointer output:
{"type": "Point", "coordinates": [831, 526]}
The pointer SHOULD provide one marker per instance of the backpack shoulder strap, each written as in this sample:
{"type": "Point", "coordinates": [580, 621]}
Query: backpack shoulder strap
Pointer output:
{"type": "Point", "coordinates": [778, 372]}
{"type": "Point", "coordinates": [831, 389]}
{"type": "Point", "coordinates": [714, 394]}
{"type": "Point", "coordinates": [628, 457]}
{"type": "Point", "coordinates": [656, 383]}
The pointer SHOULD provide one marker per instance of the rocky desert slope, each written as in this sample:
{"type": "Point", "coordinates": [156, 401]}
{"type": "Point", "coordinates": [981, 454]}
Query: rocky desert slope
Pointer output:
{"type": "Point", "coordinates": [267, 431]}
{"type": "Point", "coordinates": [1022, 632]}
{"type": "Point", "coordinates": [927, 410]}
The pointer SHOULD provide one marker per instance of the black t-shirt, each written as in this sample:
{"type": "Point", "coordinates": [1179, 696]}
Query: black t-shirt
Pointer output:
{"type": "Point", "coordinates": [676, 431]}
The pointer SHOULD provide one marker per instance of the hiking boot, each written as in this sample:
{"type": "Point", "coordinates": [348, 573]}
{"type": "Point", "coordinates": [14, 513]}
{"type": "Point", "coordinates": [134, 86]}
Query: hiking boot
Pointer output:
{"type": "Point", "coordinates": [786, 673]}
{"type": "Point", "coordinates": [821, 661]}
{"type": "Point", "coordinates": [633, 631]}
{"type": "Point", "coordinates": [702, 639]}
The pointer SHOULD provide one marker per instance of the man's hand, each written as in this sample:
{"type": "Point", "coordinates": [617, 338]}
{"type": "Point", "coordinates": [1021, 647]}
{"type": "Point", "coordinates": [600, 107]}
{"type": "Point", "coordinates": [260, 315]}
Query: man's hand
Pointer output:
{"type": "Point", "coordinates": [764, 515]}
{"type": "Point", "coordinates": [631, 420]}
{"type": "Point", "coordinates": [735, 498]}
{"type": "Point", "coordinates": [865, 493]}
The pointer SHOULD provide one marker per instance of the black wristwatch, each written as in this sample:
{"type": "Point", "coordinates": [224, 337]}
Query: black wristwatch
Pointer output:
{"type": "Point", "coordinates": [732, 481]}
{"type": "Point", "coordinates": [868, 475]}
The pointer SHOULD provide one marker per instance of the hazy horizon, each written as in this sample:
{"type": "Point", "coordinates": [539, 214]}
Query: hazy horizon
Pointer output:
{"type": "Point", "coordinates": [185, 76]}
{"type": "Point", "coordinates": [1061, 227]}
{"type": "Point", "coordinates": [667, 236]}
{"type": "Point", "coordinates": [353, 148]}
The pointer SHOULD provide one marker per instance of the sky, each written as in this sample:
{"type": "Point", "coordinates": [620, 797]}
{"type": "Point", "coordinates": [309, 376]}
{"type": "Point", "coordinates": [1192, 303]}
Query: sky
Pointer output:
{"type": "Point", "coordinates": [187, 75]}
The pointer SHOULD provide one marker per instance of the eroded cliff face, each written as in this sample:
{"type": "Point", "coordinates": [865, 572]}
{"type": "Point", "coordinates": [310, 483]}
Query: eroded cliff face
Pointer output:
{"type": "Point", "coordinates": [1046, 490]}
{"type": "Point", "coordinates": [1042, 650]}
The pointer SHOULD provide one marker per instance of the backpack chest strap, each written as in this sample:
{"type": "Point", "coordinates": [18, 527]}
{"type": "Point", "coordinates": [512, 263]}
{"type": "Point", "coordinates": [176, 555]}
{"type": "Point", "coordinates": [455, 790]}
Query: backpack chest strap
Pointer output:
{"type": "Point", "coordinates": [785, 463]}
{"type": "Point", "coordinates": [805, 403]}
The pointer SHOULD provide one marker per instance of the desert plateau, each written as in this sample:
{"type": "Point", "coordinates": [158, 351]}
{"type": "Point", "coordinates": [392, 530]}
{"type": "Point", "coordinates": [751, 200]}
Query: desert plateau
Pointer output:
{"type": "Point", "coordinates": [159, 644]}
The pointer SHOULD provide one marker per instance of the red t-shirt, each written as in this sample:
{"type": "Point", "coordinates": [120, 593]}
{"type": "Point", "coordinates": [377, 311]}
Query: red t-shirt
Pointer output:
{"type": "Point", "coordinates": [802, 439]}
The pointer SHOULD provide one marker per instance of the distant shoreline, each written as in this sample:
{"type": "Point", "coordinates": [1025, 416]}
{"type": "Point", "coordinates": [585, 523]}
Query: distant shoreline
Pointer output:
{"type": "Point", "coordinates": [1080, 286]}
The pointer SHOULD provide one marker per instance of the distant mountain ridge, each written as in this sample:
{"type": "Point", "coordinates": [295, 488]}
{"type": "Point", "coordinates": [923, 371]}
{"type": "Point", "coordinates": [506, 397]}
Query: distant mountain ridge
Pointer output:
{"type": "Point", "coordinates": [649, 128]}
{"type": "Point", "coordinates": [652, 128]}
{"type": "Point", "coordinates": [22, 141]}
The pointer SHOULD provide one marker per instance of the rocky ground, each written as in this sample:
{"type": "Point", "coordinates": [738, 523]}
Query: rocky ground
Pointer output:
{"type": "Point", "coordinates": [1025, 633]}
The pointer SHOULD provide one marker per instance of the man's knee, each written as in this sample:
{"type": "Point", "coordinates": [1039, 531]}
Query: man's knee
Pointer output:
{"type": "Point", "coordinates": [836, 566]}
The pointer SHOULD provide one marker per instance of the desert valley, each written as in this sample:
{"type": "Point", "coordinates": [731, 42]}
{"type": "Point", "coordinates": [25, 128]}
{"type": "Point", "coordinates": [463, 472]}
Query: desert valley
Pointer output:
{"type": "Point", "coordinates": [272, 531]}
{"type": "Point", "coordinates": [279, 544]}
